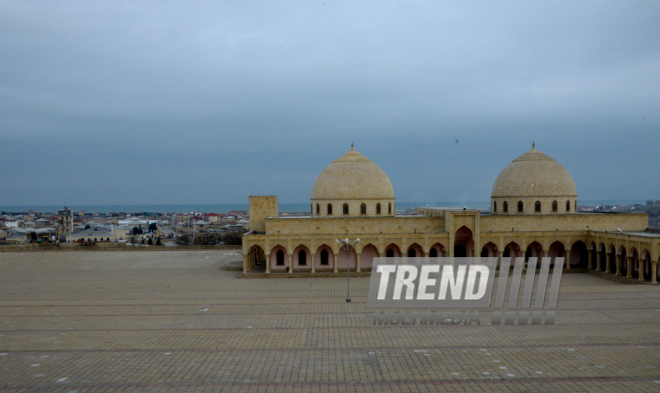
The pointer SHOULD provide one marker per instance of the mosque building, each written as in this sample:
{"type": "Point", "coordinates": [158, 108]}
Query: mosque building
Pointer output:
{"type": "Point", "coordinates": [533, 214]}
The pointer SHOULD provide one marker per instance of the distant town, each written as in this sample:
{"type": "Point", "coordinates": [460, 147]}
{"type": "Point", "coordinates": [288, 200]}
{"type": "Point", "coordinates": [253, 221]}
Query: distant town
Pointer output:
{"type": "Point", "coordinates": [177, 229]}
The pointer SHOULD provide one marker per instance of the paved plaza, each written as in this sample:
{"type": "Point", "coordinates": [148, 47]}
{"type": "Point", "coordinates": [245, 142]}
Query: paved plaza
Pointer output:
{"type": "Point", "coordinates": [178, 322]}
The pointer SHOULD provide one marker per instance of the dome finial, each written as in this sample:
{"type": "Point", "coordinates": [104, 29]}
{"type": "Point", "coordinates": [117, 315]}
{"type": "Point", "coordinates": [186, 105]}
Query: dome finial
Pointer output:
{"type": "Point", "coordinates": [533, 145]}
{"type": "Point", "coordinates": [351, 145]}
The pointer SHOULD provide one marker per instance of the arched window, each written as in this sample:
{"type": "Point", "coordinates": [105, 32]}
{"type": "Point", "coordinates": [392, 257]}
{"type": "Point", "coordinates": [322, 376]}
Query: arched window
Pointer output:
{"type": "Point", "coordinates": [484, 252]}
{"type": "Point", "coordinates": [345, 208]}
{"type": "Point", "coordinates": [378, 208]}
{"type": "Point", "coordinates": [389, 208]}
{"type": "Point", "coordinates": [412, 253]}
{"type": "Point", "coordinates": [537, 207]}
{"type": "Point", "coordinates": [433, 253]}
{"type": "Point", "coordinates": [318, 208]}
{"type": "Point", "coordinates": [520, 207]}
{"type": "Point", "coordinates": [505, 207]}
{"type": "Point", "coordinates": [363, 209]}
{"type": "Point", "coordinates": [329, 209]}
{"type": "Point", "coordinates": [279, 258]}
{"type": "Point", "coordinates": [324, 257]}
{"type": "Point", "coordinates": [568, 206]}
{"type": "Point", "coordinates": [495, 207]}
{"type": "Point", "coordinates": [302, 258]}
{"type": "Point", "coordinates": [554, 206]}
{"type": "Point", "coordinates": [389, 253]}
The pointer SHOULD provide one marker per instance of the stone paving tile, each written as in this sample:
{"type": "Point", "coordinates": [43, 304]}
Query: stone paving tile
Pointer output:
{"type": "Point", "coordinates": [174, 322]}
{"type": "Point", "coordinates": [216, 318]}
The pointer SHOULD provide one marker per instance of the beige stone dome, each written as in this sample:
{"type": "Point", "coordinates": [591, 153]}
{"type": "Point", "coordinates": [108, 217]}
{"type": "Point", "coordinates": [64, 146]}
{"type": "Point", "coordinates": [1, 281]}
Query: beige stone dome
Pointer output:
{"type": "Point", "coordinates": [352, 176]}
{"type": "Point", "coordinates": [534, 174]}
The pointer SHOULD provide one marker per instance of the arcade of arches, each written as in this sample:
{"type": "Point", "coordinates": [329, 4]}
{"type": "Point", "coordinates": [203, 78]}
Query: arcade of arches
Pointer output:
{"type": "Point", "coordinates": [634, 256]}
{"type": "Point", "coordinates": [614, 243]}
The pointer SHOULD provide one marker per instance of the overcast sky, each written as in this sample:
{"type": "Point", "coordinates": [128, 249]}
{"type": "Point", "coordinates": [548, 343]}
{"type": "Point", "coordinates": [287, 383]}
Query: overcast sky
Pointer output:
{"type": "Point", "coordinates": [202, 102]}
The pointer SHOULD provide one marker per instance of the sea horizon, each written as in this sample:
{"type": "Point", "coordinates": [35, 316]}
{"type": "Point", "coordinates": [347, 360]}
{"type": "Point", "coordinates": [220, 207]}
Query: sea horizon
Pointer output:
{"type": "Point", "coordinates": [283, 207]}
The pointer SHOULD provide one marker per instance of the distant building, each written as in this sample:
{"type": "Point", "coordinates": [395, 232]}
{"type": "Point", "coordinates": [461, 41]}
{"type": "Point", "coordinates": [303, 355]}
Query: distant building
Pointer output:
{"type": "Point", "coordinates": [200, 224]}
{"type": "Point", "coordinates": [93, 234]}
{"type": "Point", "coordinates": [212, 217]}
{"type": "Point", "coordinates": [17, 238]}
{"type": "Point", "coordinates": [42, 222]}
{"type": "Point", "coordinates": [64, 224]}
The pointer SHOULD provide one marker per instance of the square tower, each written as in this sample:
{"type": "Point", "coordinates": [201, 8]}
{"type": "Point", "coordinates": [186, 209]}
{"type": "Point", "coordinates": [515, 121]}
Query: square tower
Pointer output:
{"type": "Point", "coordinates": [262, 207]}
{"type": "Point", "coordinates": [64, 224]}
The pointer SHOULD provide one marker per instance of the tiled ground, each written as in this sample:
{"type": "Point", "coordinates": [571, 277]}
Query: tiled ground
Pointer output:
{"type": "Point", "coordinates": [172, 321]}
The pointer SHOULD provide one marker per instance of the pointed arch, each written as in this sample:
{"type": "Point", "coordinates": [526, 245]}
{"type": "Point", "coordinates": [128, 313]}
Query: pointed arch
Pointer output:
{"type": "Point", "coordinates": [279, 258]}
{"type": "Point", "coordinates": [533, 250]}
{"type": "Point", "coordinates": [342, 261]}
{"type": "Point", "coordinates": [635, 262]}
{"type": "Point", "coordinates": [602, 257]}
{"type": "Point", "coordinates": [324, 258]}
{"type": "Point", "coordinates": [579, 255]}
{"type": "Point", "coordinates": [611, 259]}
{"type": "Point", "coordinates": [511, 249]}
{"type": "Point", "coordinates": [489, 250]}
{"type": "Point", "coordinates": [302, 258]}
{"type": "Point", "coordinates": [415, 251]}
{"type": "Point", "coordinates": [556, 249]}
{"type": "Point", "coordinates": [463, 242]}
{"type": "Point", "coordinates": [645, 265]}
{"type": "Point", "coordinates": [622, 263]}
{"type": "Point", "coordinates": [367, 255]}
{"type": "Point", "coordinates": [438, 250]}
{"type": "Point", "coordinates": [392, 250]}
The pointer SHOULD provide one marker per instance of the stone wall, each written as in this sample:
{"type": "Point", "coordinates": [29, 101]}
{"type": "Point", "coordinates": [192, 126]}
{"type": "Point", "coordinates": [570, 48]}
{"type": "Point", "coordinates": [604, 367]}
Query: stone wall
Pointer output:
{"type": "Point", "coordinates": [262, 207]}
{"type": "Point", "coordinates": [355, 225]}
{"type": "Point", "coordinates": [564, 222]}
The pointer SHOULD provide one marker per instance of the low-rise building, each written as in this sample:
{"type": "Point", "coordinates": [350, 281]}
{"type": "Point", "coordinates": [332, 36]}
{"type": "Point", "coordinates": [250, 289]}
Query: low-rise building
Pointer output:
{"type": "Point", "coordinates": [212, 217]}
{"type": "Point", "coordinates": [17, 238]}
{"type": "Point", "coordinates": [93, 234]}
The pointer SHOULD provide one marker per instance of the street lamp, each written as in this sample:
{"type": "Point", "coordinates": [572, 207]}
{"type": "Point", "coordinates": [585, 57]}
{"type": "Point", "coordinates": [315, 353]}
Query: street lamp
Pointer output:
{"type": "Point", "coordinates": [346, 245]}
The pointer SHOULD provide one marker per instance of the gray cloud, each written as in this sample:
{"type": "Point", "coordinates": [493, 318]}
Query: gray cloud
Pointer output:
{"type": "Point", "coordinates": [129, 102]}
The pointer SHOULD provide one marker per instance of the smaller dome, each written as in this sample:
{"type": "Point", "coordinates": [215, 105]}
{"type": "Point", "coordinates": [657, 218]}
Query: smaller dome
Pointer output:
{"type": "Point", "coordinates": [534, 174]}
{"type": "Point", "coordinates": [352, 176]}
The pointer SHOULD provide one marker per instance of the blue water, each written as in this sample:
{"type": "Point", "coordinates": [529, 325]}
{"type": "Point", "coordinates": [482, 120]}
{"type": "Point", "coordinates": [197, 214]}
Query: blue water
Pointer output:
{"type": "Point", "coordinates": [283, 207]}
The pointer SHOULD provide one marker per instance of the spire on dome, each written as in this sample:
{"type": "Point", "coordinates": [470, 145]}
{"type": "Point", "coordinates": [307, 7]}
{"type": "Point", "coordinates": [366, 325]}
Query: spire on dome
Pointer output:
{"type": "Point", "coordinates": [533, 145]}
{"type": "Point", "coordinates": [351, 145]}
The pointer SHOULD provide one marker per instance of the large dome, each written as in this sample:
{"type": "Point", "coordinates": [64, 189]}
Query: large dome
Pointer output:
{"type": "Point", "coordinates": [350, 177]}
{"type": "Point", "coordinates": [534, 174]}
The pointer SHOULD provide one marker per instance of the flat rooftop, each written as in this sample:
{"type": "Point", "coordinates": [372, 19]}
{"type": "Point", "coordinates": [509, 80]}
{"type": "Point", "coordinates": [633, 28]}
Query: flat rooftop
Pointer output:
{"type": "Point", "coordinates": [173, 321]}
